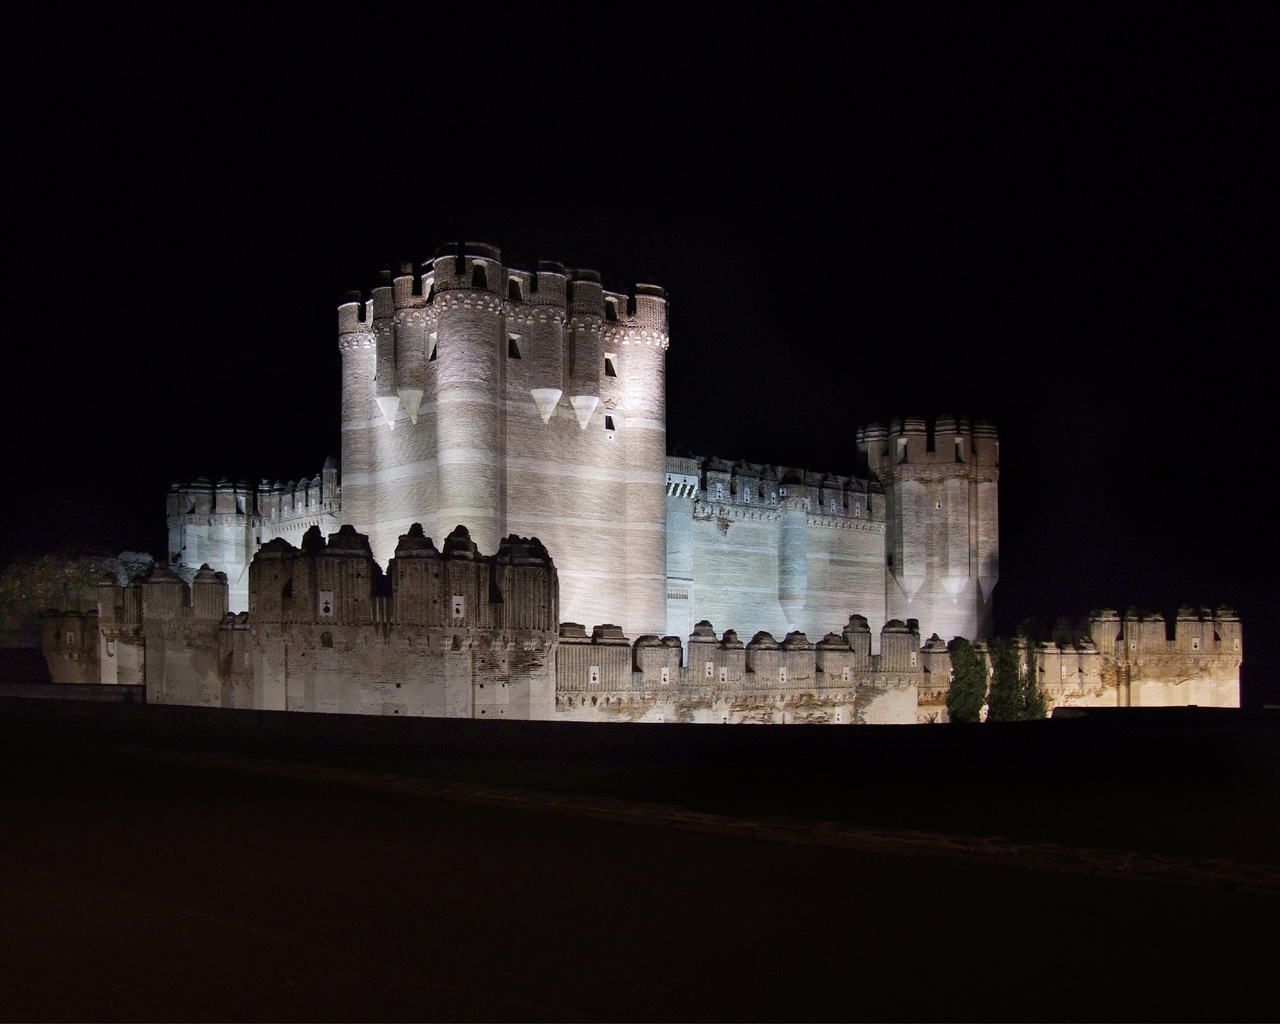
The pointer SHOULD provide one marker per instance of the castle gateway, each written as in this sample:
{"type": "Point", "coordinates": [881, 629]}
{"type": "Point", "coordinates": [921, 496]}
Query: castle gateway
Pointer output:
{"type": "Point", "coordinates": [533, 402]}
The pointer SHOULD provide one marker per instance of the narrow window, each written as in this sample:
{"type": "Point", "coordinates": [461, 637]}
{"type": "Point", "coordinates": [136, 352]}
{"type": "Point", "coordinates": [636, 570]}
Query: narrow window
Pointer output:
{"type": "Point", "coordinates": [959, 450]}
{"type": "Point", "coordinates": [902, 449]}
{"type": "Point", "coordinates": [610, 370]}
{"type": "Point", "coordinates": [513, 291]}
{"type": "Point", "coordinates": [608, 423]}
{"type": "Point", "coordinates": [432, 340]}
{"type": "Point", "coordinates": [513, 346]}
{"type": "Point", "coordinates": [478, 277]}
{"type": "Point", "coordinates": [611, 310]}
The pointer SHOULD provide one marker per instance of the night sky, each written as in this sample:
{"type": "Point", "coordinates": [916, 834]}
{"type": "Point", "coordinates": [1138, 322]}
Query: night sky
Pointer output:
{"type": "Point", "coordinates": [1065, 228]}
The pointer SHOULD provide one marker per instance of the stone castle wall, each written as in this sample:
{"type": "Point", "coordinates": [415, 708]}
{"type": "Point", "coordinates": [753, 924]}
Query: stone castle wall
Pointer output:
{"type": "Point", "coordinates": [455, 633]}
{"type": "Point", "coordinates": [1118, 662]}
{"type": "Point", "coordinates": [532, 402]}
{"type": "Point", "coordinates": [224, 524]}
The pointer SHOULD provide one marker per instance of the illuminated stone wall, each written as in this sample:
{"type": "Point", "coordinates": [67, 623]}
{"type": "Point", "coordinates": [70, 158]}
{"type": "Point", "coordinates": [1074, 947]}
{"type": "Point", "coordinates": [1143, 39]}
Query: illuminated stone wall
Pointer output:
{"type": "Point", "coordinates": [456, 633]}
{"type": "Point", "coordinates": [533, 402]}
{"type": "Point", "coordinates": [223, 525]}
{"type": "Point", "coordinates": [1117, 662]}
{"type": "Point", "coordinates": [604, 678]}
{"type": "Point", "coordinates": [514, 401]}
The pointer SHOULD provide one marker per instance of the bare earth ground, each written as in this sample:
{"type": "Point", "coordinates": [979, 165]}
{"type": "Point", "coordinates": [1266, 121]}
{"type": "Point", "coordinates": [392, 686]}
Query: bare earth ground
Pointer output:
{"type": "Point", "coordinates": [175, 863]}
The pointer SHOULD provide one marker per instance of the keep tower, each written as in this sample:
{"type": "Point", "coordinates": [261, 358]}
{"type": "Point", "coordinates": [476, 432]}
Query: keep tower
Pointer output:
{"type": "Point", "coordinates": [513, 400]}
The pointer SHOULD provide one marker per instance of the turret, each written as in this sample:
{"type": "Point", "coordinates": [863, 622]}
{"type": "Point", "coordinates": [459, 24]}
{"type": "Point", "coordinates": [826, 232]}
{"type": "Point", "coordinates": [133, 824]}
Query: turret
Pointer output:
{"type": "Point", "coordinates": [793, 546]}
{"type": "Point", "coordinates": [356, 341]}
{"type": "Point", "coordinates": [586, 316]}
{"type": "Point", "coordinates": [547, 313]}
{"type": "Point", "coordinates": [412, 321]}
{"type": "Point", "coordinates": [470, 326]}
{"type": "Point", "coordinates": [385, 377]}
{"type": "Point", "coordinates": [942, 547]}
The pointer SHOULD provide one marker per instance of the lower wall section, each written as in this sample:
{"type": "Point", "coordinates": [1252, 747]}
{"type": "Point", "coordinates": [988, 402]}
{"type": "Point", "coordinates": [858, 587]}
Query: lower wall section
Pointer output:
{"type": "Point", "coordinates": [371, 669]}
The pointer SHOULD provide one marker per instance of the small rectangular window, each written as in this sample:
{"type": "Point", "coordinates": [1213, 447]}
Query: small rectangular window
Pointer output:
{"type": "Point", "coordinates": [513, 346]}
{"type": "Point", "coordinates": [608, 423]}
{"type": "Point", "coordinates": [610, 369]}
{"type": "Point", "coordinates": [432, 339]}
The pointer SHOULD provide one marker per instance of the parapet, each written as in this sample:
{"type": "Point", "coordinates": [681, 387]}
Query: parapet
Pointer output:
{"type": "Point", "coordinates": [201, 503]}
{"type": "Point", "coordinates": [913, 441]}
{"type": "Point", "coordinates": [337, 581]}
{"type": "Point", "coordinates": [745, 489]}
{"type": "Point", "coordinates": [478, 266]}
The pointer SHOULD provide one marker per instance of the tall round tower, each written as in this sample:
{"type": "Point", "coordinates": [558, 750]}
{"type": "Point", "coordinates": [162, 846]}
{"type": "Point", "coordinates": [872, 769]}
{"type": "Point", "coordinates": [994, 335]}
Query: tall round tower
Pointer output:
{"type": "Point", "coordinates": [356, 342]}
{"type": "Point", "coordinates": [640, 342]}
{"type": "Point", "coordinates": [470, 461]}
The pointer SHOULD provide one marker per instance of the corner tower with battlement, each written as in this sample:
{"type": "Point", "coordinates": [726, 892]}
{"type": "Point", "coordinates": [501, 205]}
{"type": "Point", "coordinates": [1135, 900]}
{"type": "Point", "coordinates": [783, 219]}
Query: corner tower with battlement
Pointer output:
{"type": "Point", "coordinates": [942, 549]}
{"type": "Point", "coordinates": [513, 401]}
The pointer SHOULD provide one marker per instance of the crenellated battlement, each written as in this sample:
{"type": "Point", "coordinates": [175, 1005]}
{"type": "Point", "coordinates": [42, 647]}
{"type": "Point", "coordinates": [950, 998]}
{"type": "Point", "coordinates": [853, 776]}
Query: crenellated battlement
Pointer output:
{"type": "Point", "coordinates": [201, 503]}
{"type": "Point", "coordinates": [746, 489]}
{"type": "Point", "coordinates": [1136, 635]}
{"type": "Point", "coordinates": [336, 581]}
{"type": "Point", "coordinates": [914, 445]}
{"type": "Point", "coordinates": [472, 276]}
{"type": "Point", "coordinates": [604, 677]}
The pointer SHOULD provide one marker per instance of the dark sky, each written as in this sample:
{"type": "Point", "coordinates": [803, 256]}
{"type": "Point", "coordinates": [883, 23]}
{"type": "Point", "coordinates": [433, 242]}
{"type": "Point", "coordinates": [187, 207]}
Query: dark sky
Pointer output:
{"type": "Point", "coordinates": [1065, 227]}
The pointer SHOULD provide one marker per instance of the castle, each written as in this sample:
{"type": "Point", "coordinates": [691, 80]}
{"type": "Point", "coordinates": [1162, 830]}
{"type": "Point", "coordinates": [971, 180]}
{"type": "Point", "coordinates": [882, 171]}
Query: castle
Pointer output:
{"type": "Point", "coordinates": [490, 405]}
{"type": "Point", "coordinates": [533, 402]}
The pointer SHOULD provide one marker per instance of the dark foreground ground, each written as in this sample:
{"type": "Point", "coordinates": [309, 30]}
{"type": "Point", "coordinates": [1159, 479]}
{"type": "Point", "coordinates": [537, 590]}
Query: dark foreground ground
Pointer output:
{"type": "Point", "coordinates": [160, 863]}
